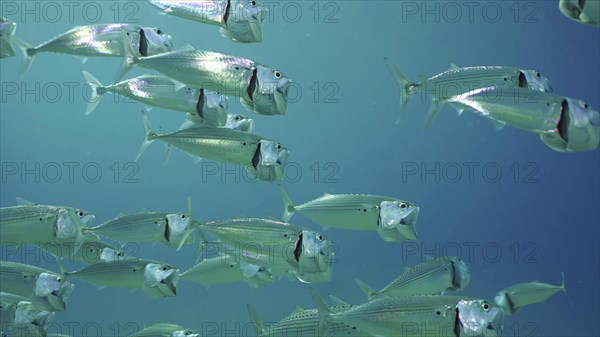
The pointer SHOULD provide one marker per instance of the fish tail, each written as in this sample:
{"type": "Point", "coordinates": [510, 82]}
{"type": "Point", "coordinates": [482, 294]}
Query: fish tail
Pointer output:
{"type": "Point", "coordinates": [150, 135]}
{"type": "Point", "coordinates": [434, 108]}
{"type": "Point", "coordinates": [28, 55]}
{"type": "Point", "coordinates": [129, 58]}
{"type": "Point", "coordinates": [258, 323]}
{"type": "Point", "coordinates": [167, 148]}
{"type": "Point", "coordinates": [288, 206]}
{"type": "Point", "coordinates": [371, 294]}
{"type": "Point", "coordinates": [97, 91]}
{"type": "Point", "coordinates": [406, 88]}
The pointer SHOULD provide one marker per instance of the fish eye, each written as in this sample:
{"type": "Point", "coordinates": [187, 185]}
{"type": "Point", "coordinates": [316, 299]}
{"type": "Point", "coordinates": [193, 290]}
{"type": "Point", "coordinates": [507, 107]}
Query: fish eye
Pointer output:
{"type": "Point", "coordinates": [585, 105]}
{"type": "Point", "coordinates": [538, 74]}
{"type": "Point", "coordinates": [158, 31]}
{"type": "Point", "coordinates": [238, 117]}
{"type": "Point", "coordinates": [183, 216]}
{"type": "Point", "coordinates": [320, 237]}
{"type": "Point", "coordinates": [119, 254]}
{"type": "Point", "coordinates": [165, 268]}
{"type": "Point", "coordinates": [80, 213]}
{"type": "Point", "coordinates": [278, 146]}
{"type": "Point", "coordinates": [485, 306]}
{"type": "Point", "coordinates": [277, 74]}
{"type": "Point", "coordinates": [403, 205]}
{"type": "Point", "coordinates": [58, 279]}
{"type": "Point", "coordinates": [253, 3]}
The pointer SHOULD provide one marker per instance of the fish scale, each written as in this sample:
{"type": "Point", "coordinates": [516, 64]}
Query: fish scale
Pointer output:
{"type": "Point", "coordinates": [138, 227]}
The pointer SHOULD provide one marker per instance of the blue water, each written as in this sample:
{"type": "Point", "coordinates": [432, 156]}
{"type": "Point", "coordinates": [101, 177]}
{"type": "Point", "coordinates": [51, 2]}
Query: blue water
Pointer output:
{"type": "Point", "coordinates": [524, 213]}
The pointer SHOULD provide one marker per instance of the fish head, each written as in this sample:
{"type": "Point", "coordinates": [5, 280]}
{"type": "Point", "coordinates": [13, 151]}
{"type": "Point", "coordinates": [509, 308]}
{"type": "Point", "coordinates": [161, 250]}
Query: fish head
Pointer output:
{"type": "Point", "coordinates": [503, 300]}
{"type": "Point", "coordinates": [179, 229]}
{"type": "Point", "coordinates": [244, 23]}
{"type": "Point", "coordinates": [269, 160]}
{"type": "Point", "coordinates": [479, 318]}
{"type": "Point", "coordinates": [239, 122]}
{"type": "Point", "coordinates": [185, 333]}
{"type": "Point", "coordinates": [461, 274]}
{"type": "Point", "coordinates": [7, 28]}
{"type": "Point", "coordinates": [257, 276]}
{"type": "Point", "coordinates": [160, 280]}
{"type": "Point", "coordinates": [534, 80]}
{"type": "Point", "coordinates": [70, 222]}
{"type": "Point", "coordinates": [397, 220]}
{"type": "Point", "coordinates": [578, 128]}
{"type": "Point", "coordinates": [212, 107]}
{"type": "Point", "coordinates": [26, 314]}
{"type": "Point", "coordinates": [52, 290]}
{"type": "Point", "coordinates": [268, 91]}
{"type": "Point", "coordinates": [157, 41]}
{"type": "Point", "coordinates": [314, 253]}
{"type": "Point", "coordinates": [108, 254]}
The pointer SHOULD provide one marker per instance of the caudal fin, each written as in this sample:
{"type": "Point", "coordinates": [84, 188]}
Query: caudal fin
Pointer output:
{"type": "Point", "coordinates": [371, 294]}
{"type": "Point", "coordinates": [150, 135]}
{"type": "Point", "coordinates": [28, 55]}
{"type": "Point", "coordinates": [129, 58]}
{"type": "Point", "coordinates": [97, 91]}
{"type": "Point", "coordinates": [405, 86]}
{"type": "Point", "coordinates": [288, 206]}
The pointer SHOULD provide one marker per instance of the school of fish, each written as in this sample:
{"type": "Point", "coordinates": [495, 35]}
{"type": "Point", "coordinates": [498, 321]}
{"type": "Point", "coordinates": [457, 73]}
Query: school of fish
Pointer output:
{"type": "Point", "coordinates": [198, 83]}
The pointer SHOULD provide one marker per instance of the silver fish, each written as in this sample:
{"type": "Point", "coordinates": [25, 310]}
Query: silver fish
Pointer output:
{"type": "Point", "coordinates": [240, 20]}
{"type": "Point", "coordinates": [564, 124]}
{"type": "Point", "coordinates": [394, 219]}
{"type": "Point", "coordinates": [304, 322]}
{"type": "Point", "coordinates": [455, 81]}
{"type": "Point", "coordinates": [276, 244]}
{"type": "Point", "coordinates": [262, 157]}
{"type": "Point", "coordinates": [90, 252]}
{"type": "Point", "coordinates": [434, 276]}
{"type": "Point", "coordinates": [7, 32]}
{"type": "Point", "coordinates": [263, 88]}
{"type": "Point", "coordinates": [102, 40]}
{"type": "Point", "coordinates": [33, 223]}
{"type": "Point", "coordinates": [202, 106]}
{"type": "Point", "coordinates": [169, 228]}
{"type": "Point", "coordinates": [436, 315]}
{"type": "Point", "coordinates": [227, 269]}
{"type": "Point", "coordinates": [584, 11]}
{"type": "Point", "coordinates": [46, 290]}
{"type": "Point", "coordinates": [515, 297]}
{"type": "Point", "coordinates": [18, 317]}
{"type": "Point", "coordinates": [157, 279]}
{"type": "Point", "coordinates": [166, 330]}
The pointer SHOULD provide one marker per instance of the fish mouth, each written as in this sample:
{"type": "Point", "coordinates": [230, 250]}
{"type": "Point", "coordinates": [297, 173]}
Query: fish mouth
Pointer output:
{"type": "Point", "coordinates": [564, 121]}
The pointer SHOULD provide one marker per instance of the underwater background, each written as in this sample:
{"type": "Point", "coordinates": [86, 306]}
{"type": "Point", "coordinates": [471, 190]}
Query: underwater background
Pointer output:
{"type": "Point", "coordinates": [511, 208]}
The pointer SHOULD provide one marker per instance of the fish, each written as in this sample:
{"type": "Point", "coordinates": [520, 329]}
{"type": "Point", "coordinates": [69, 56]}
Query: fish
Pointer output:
{"type": "Point", "coordinates": [7, 33]}
{"type": "Point", "coordinates": [90, 252]}
{"type": "Point", "coordinates": [101, 40]}
{"type": "Point", "coordinates": [201, 105]}
{"type": "Point", "coordinates": [520, 295]}
{"type": "Point", "coordinates": [394, 219]}
{"type": "Point", "coordinates": [240, 20]}
{"type": "Point", "coordinates": [434, 276]}
{"type": "Point", "coordinates": [276, 244]}
{"type": "Point", "coordinates": [19, 317]}
{"type": "Point", "coordinates": [261, 88]}
{"type": "Point", "coordinates": [34, 223]}
{"type": "Point", "coordinates": [157, 279]}
{"type": "Point", "coordinates": [46, 290]}
{"type": "Point", "coordinates": [455, 81]}
{"type": "Point", "coordinates": [438, 315]}
{"type": "Point", "coordinates": [304, 322]}
{"type": "Point", "coordinates": [166, 330]}
{"type": "Point", "coordinates": [564, 124]}
{"type": "Point", "coordinates": [583, 11]}
{"type": "Point", "coordinates": [263, 158]}
{"type": "Point", "coordinates": [227, 269]}
{"type": "Point", "coordinates": [171, 229]}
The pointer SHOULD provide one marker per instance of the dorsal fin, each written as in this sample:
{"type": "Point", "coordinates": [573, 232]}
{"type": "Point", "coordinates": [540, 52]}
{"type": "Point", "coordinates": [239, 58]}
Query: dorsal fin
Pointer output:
{"type": "Point", "coordinates": [453, 66]}
{"type": "Point", "coordinates": [24, 202]}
